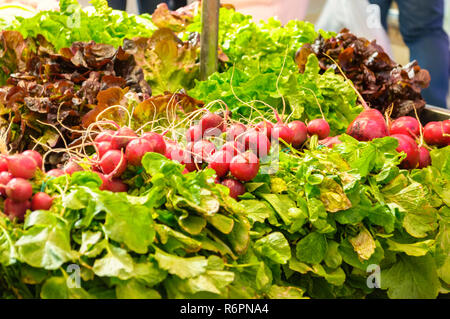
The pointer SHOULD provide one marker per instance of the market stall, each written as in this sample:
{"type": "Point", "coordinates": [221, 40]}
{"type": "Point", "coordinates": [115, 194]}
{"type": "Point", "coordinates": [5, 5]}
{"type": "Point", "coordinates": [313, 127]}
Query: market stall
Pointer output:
{"type": "Point", "coordinates": [140, 162]}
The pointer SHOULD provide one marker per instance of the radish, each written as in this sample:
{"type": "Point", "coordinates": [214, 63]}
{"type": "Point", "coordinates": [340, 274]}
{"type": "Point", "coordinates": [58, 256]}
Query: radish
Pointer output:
{"type": "Point", "coordinates": [318, 127]}
{"type": "Point", "coordinates": [56, 172]}
{"type": "Point", "coordinates": [424, 157]}
{"type": "Point", "coordinates": [220, 162]}
{"type": "Point", "coordinates": [194, 133]}
{"type": "Point", "coordinates": [300, 133]}
{"type": "Point", "coordinates": [368, 125]}
{"type": "Point", "coordinates": [122, 137]}
{"type": "Point", "coordinates": [202, 151]}
{"type": "Point", "coordinates": [257, 142]}
{"type": "Point", "coordinates": [113, 162]}
{"type": "Point", "coordinates": [265, 127]}
{"type": "Point", "coordinates": [136, 150]}
{"type": "Point", "coordinates": [42, 201]}
{"type": "Point", "coordinates": [105, 136]}
{"type": "Point", "coordinates": [330, 141]}
{"type": "Point", "coordinates": [19, 189]}
{"type": "Point", "coordinates": [233, 147]}
{"type": "Point", "coordinates": [5, 177]}
{"type": "Point", "coordinates": [236, 187]}
{"type": "Point", "coordinates": [22, 166]}
{"type": "Point", "coordinates": [16, 209]}
{"type": "Point", "coordinates": [235, 131]}
{"type": "Point", "coordinates": [176, 153]}
{"type": "Point", "coordinates": [3, 164]}
{"type": "Point", "coordinates": [72, 167]}
{"type": "Point", "coordinates": [116, 186]}
{"type": "Point", "coordinates": [407, 125]}
{"type": "Point", "coordinates": [433, 133]}
{"type": "Point", "coordinates": [105, 181]}
{"type": "Point", "coordinates": [185, 171]}
{"type": "Point", "coordinates": [36, 156]}
{"type": "Point", "coordinates": [244, 166]}
{"type": "Point", "coordinates": [210, 121]}
{"type": "Point", "coordinates": [283, 132]}
{"type": "Point", "coordinates": [156, 141]}
{"type": "Point", "coordinates": [407, 144]}
{"type": "Point", "coordinates": [104, 147]}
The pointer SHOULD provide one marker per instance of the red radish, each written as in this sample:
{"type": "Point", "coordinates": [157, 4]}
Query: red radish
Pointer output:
{"type": "Point", "coordinates": [235, 130]}
{"type": "Point", "coordinates": [113, 162]}
{"type": "Point", "coordinates": [156, 141]}
{"type": "Point", "coordinates": [19, 189]}
{"type": "Point", "coordinates": [257, 142]}
{"type": "Point", "coordinates": [211, 120]}
{"type": "Point", "coordinates": [244, 166]}
{"type": "Point", "coordinates": [105, 136]}
{"type": "Point", "coordinates": [424, 157]}
{"type": "Point", "coordinates": [407, 125]}
{"type": "Point", "coordinates": [16, 209]}
{"type": "Point", "coordinates": [105, 181]}
{"type": "Point", "coordinates": [56, 172]}
{"type": "Point", "coordinates": [116, 186]}
{"type": "Point", "coordinates": [176, 153]}
{"type": "Point", "coordinates": [103, 147]}
{"type": "Point", "coordinates": [236, 187]}
{"type": "Point", "coordinates": [136, 150]}
{"type": "Point", "coordinates": [185, 171]}
{"type": "Point", "coordinates": [41, 201]}
{"type": "Point", "coordinates": [3, 163]}
{"type": "Point", "coordinates": [407, 144]}
{"type": "Point", "coordinates": [5, 177]}
{"type": "Point", "coordinates": [22, 166]}
{"type": "Point", "coordinates": [282, 131]}
{"type": "Point", "coordinates": [35, 155]}
{"type": "Point", "coordinates": [330, 141]}
{"type": "Point", "coordinates": [372, 114]}
{"type": "Point", "coordinates": [433, 133]}
{"type": "Point", "coordinates": [233, 147]}
{"type": "Point", "coordinates": [319, 127]}
{"type": "Point", "coordinates": [122, 137]}
{"type": "Point", "coordinates": [368, 125]}
{"type": "Point", "coordinates": [194, 133]}
{"type": "Point", "coordinates": [72, 167]}
{"type": "Point", "coordinates": [265, 127]}
{"type": "Point", "coordinates": [203, 150]}
{"type": "Point", "coordinates": [220, 162]}
{"type": "Point", "coordinates": [300, 133]}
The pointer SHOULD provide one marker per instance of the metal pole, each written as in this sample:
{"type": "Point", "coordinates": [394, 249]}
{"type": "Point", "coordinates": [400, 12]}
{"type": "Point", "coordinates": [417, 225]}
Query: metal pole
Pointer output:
{"type": "Point", "coordinates": [209, 38]}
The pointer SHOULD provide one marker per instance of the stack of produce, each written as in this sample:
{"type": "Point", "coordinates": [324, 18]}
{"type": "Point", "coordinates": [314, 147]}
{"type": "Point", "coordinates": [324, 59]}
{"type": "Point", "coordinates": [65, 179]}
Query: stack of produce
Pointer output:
{"type": "Point", "coordinates": [278, 186]}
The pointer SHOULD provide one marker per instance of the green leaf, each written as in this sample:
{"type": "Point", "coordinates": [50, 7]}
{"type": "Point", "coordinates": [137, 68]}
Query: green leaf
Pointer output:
{"type": "Point", "coordinates": [333, 258]}
{"type": "Point", "coordinates": [128, 224]}
{"type": "Point", "coordinates": [132, 289]}
{"type": "Point", "coordinates": [411, 278]}
{"type": "Point", "coordinates": [58, 288]}
{"type": "Point", "coordinates": [47, 243]}
{"type": "Point", "coordinates": [420, 248]}
{"type": "Point", "coordinates": [222, 223]}
{"type": "Point", "coordinates": [116, 263]}
{"type": "Point", "coordinates": [182, 267]}
{"type": "Point", "coordinates": [283, 292]}
{"type": "Point", "coordinates": [275, 247]}
{"type": "Point", "coordinates": [312, 248]}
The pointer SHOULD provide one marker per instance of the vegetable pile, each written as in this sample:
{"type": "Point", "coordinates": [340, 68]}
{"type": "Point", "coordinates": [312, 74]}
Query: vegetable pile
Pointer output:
{"type": "Point", "coordinates": [260, 182]}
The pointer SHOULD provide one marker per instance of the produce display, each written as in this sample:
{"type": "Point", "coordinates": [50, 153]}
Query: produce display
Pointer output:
{"type": "Point", "coordinates": [300, 169]}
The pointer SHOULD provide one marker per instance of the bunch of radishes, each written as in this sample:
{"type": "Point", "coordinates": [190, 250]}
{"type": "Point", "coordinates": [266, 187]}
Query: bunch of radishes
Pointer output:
{"type": "Point", "coordinates": [371, 124]}
{"type": "Point", "coordinates": [238, 159]}
{"type": "Point", "coordinates": [16, 171]}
